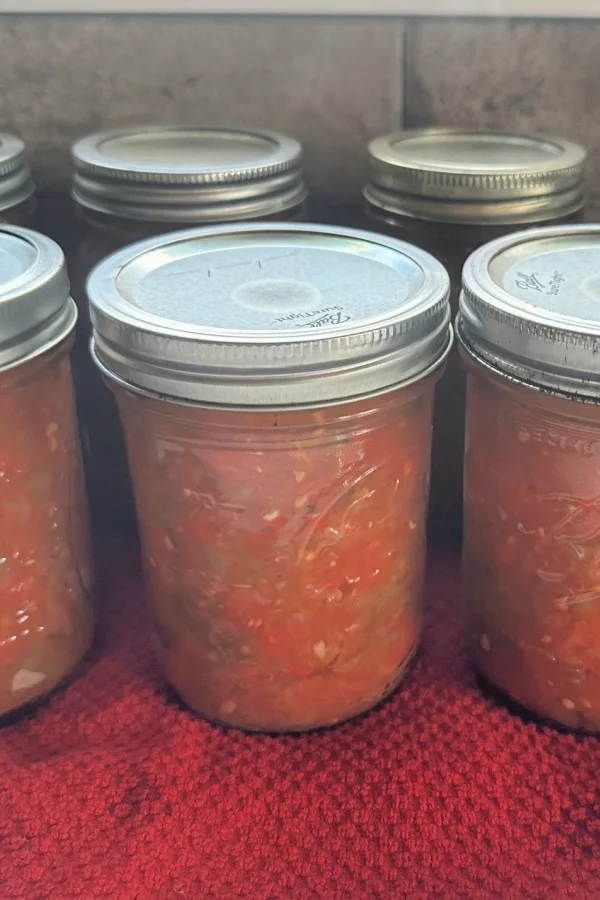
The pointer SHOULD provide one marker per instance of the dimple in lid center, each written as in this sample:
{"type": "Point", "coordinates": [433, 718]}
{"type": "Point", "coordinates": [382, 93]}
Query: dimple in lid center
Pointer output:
{"type": "Point", "coordinates": [265, 288]}
{"type": "Point", "coordinates": [277, 295]}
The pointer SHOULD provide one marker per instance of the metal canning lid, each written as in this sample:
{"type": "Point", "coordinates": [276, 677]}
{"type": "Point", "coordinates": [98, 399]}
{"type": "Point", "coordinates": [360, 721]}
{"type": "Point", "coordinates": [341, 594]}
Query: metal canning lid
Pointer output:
{"type": "Point", "coordinates": [269, 315]}
{"type": "Point", "coordinates": [204, 175]}
{"type": "Point", "coordinates": [16, 184]}
{"type": "Point", "coordinates": [530, 308]}
{"type": "Point", "coordinates": [475, 177]}
{"type": "Point", "coordinates": [36, 312]}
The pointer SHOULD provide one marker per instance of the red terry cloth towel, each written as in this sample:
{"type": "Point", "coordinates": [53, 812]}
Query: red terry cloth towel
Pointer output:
{"type": "Point", "coordinates": [112, 790]}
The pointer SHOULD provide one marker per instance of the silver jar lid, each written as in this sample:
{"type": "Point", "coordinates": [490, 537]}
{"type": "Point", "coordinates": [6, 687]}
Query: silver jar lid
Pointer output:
{"type": "Point", "coordinates": [16, 184]}
{"type": "Point", "coordinates": [36, 312]}
{"type": "Point", "coordinates": [204, 175]}
{"type": "Point", "coordinates": [475, 177]}
{"type": "Point", "coordinates": [530, 308]}
{"type": "Point", "coordinates": [269, 315]}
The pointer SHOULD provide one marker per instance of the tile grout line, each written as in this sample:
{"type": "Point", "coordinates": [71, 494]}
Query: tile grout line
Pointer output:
{"type": "Point", "coordinates": [403, 45]}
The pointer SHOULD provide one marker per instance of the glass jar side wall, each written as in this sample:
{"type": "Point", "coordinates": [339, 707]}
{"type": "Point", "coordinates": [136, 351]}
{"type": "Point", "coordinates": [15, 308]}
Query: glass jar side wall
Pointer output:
{"type": "Point", "coordinates": [532, 547]}
{"type": "Point", "coordinates": [284, 552]}
{"type": "Point", "coordinates": [46, 619]}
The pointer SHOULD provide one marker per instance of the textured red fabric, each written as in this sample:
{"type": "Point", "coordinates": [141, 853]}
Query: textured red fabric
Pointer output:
{"type": "Point", "coordinates": [114, 791]}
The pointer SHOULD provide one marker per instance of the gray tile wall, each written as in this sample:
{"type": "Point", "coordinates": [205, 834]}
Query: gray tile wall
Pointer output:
{"type": "Point", "coordinates": [331, 82]}
{"type": "Point", "coordinates": [542, 76]}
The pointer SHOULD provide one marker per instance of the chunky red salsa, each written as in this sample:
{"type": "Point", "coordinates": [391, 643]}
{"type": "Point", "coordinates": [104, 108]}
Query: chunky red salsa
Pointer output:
{"type": "Point", "coordinates": [284, 552]}
{"type": "Point", "coordinates": [532, 547]}
{"type": "Point", "coordinates": [45, 612]}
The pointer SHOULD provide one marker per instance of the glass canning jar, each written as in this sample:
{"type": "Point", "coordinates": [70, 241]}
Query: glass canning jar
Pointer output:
{"type": "Point", "coordinates": [45, 574]}
{"type": "Point", "coordinates": [275, 385]}
{"type": "Point", "coordinates": [529, 326]}
{"type": "Point", "coordinates": [134, 183]}
{"type": "Point", "coordinates": [449, 191]}
{"type": "Point", "coordinates": [17, 200]}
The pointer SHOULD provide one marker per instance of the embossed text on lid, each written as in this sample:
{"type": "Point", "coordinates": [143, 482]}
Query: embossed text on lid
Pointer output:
{"type": "Point", "coordinates": [266, 315]}
{"type": "Point", "coordinates": [530, 307]}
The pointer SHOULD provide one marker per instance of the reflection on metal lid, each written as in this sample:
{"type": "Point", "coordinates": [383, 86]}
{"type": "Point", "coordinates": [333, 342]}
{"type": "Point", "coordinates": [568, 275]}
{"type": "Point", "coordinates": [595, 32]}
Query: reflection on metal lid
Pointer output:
{"type": "Point", "coordinates": [35, 309]}
{"type": "Point", "coordinates": [531, 308]}
{"type": "Point", "coordinates": [165, 173]}
{"type": "Point", "coordinates": [16, 184]}
{"type": "Point", "coordinates": [269, 315]}
{"type": "Point", "coordinates": [476, 176]}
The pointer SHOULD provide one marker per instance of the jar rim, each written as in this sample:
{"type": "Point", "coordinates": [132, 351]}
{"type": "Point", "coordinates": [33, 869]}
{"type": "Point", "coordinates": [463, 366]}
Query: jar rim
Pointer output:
{"type": "Point", "coordinates": [528, 308]}
{"type": "Point", "coordinates": [476, 176]}
{"type": "Point", "coordinates": [36, 311]}
{"type": "Point", "coordinates": [270, 314]}
{"type": "Point", "coordinates": [188, 174]}
{"type": "Point", "coordinates": [16, 183]}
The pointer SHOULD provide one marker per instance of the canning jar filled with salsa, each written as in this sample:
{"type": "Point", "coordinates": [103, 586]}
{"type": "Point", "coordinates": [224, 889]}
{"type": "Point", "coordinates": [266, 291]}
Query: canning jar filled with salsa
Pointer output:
{"type": "Point", "coordinates": [449, 191]}
{"type": "Point", "coordinates": [275, 385]}
{"type": "Point", "coordinates": [17, 190]}
{"type": "Point", "coordinates": [45, 611]}
{"type": "Point", "coordinates": [529, 327]}
{"type": "Point", "coordinates": [134, 183]}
